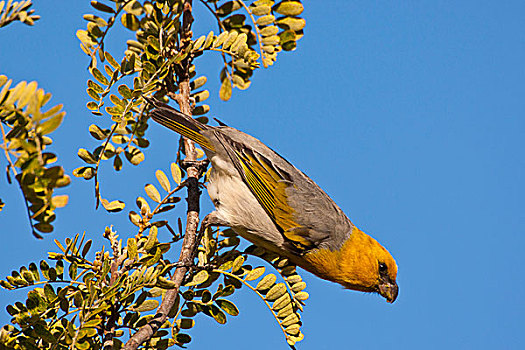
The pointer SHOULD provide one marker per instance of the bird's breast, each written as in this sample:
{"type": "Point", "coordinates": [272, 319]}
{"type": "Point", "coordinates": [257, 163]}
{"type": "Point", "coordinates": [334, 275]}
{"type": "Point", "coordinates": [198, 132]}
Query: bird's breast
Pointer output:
{"type": "Point", "coordinates": [236, 205]}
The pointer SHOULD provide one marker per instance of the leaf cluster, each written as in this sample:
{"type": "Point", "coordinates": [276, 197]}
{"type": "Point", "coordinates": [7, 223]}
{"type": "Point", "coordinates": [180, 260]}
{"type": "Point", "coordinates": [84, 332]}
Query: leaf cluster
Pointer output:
{"type": "Point", "coordinates": [100, 299]}
{"type": "Point", "coordinates": [25, 130]}
{"type": "Point", "coordinates": [17, 11]}
{"type": "Point", "coordinates": [93, 301]}
{"type": "Point", "coordinates": [154, 62]}
{"type": "Point", "coordinates": [270, 27]}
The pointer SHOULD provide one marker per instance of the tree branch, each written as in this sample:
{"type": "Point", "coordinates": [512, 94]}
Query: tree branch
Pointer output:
{"type": "Point", "coordinates": [192, 217]}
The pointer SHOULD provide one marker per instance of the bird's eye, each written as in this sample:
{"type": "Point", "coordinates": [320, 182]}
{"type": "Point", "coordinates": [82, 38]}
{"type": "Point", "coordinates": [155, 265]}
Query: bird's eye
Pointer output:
{"type": "Point", "coordinates": [382, 267]}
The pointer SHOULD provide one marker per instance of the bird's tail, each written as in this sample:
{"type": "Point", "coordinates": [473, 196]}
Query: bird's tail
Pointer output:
{"type": "Point", "coordinates": [180, 123]}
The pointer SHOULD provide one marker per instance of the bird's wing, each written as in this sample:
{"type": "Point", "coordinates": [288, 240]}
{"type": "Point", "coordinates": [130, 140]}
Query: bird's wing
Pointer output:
{"type": "Point", "coordinates": [269, 184]}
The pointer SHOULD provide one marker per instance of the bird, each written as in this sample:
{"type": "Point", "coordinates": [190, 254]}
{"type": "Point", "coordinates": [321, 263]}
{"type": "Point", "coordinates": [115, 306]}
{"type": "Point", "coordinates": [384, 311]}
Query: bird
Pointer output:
{"type": "Point", "coordinates": [271, 203]}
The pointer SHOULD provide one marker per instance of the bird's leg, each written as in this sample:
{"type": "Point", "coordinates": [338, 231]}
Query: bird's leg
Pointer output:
{"type": "Point", "coordinates": [209, 220]}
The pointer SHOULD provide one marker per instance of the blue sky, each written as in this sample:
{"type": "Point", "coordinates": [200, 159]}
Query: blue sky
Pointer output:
{"type": "Point", "coordinates": [409, 115]}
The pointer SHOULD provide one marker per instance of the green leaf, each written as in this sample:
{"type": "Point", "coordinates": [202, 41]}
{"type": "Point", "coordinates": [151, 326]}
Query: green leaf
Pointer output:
{"type": "Point", "coordinates": [60, 201]}
{"type": "Point", "coordinates": [132, 248]}
{"type": "Point", "coordinates": [85, 172]}
{"type": "Point", "coordinates": [225, 93]}
{"type": "Point", "coordinates": [209, 40]}
{"type": "Point", "coordinates": [290, 319]}
{"type": "Point", "coordinates": [266, 282]}
{"type": "Point", "coordinates": [291, 23]}
{"type": "Point", "coordinates": [228, 306]}
{"type": "Point", "coordinates": [147, 305]}
{"type": "Point", "coordinates": [255, 273]}
{"type": "Point", "coordinates": [201, 96]}
{"type": "Point", "coordinates": [113, 206]}
{"type": "Point", "coordinates": [181, 338]}
{"type": "Point", "coordinates": [232, 36]}
{"type": "Point", "coordinates": [239, 42]}
{"type": "Point", "coordinates": [125, 91]}
{"type": "Point", "coordinates": [265, 20]}
{"type": "Point", "coordinates": [217, 314]}
{"type": "Point", "coordinates": [97, 88]}
{"type": "Point", "coordinates": [285, 311]}
{"type": "Point", "coordinates": [297, 287]}
{"type": "Point", "coordinates": [198, 43]}
{"type": "Point", "coordinates": [43, 333]}
{"type": "Point", "coordinates": [95, 19]}
{"type": "Point", "coordinates": [201, 277]}
{"type": "Point", "coordinates": [34, 270]}
{"type": "Point", "coordinates": [6, 285]}
{"type": "Point", "coordinates": [27, 275]}
{"type": "Point", "coordinates": [99, 76]}
{"type": "Point", "coordinates": [134, 7]}
{"type": "Point", "coordinates": [163, 180]}
{"type": "Point", "coordinates": [301, 296]}
{"type": "Point", "coordinates": [152, 238]}
{"type": "Point", "coordinates": [164, 283]}
{"type": "Point", "coordinates": [282, 302]}
{"type": "Point", "coordinates": [289, 8]}
{"type": "Point", "coordinates": [51, 124]}
{"type": "Point", "coordinates": [200, 110]}
{"type": "Point", "coordinates": [293, 329]}
{"type": "Point", "coordinates": [44, 227]}
{"type": "Point", "coordinates": [92, 323]}
{"type": "Point", "coordinates": [44, 267]}
{"type": "Point", "coordinates": [117, 163]}
{"type": "Point", "coordinates": [185, 323]}
{"type": "Point", "coordinates": [197, 83]}
{"type": "Point", "coordinates": [94, 95]}
{"type": "Point", "coordinates": [134, 155]}
{"type": "Point", "coordinates": [73, 270]}
{"type": "Point", "coordinates": [130, 21]}
{"type": "Point", "coordinates": [86, 156]}
{"type": "Point", "coordinates": [237, 263]}
{"type": "Point", "coordinates": [289, 45]}
{"type": "Point", "coordinates": [155, 258]}
{"type": "Point", "coordinates": [276, 292]}
{"type": "Point", "coordinates": [86, 248]}
{"type": "Point", "coordinates": [261, 10]}
{"type": "Point", "coordinates": [269, 31]}
{"type": "Point", "coordinates": [152, 193]}
{"type": "Point", "coordinates": [111, 60]}
{"type": "Point", "coordinates": [220, 39]}
{"type": "Point", "coordinates": [97, 132]}
{"type": "Point", "coordinates": [49, 292]}
{"type": "Point", "coordinates": [101, 7]}
{"type": "Point", "coordinates": [176, 173]}
{"type": "Point", "coordinates": [271, 40]}
{"type": "Point", "coordinates": [228, 7]}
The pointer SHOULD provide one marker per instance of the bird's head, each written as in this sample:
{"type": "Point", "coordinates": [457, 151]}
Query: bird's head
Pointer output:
{"type": "Point", "coordinates": [360, 264]}
{"type": "Point", "coordinates": [366, 266]}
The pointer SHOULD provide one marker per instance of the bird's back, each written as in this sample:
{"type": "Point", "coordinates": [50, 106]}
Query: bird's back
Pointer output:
{"type": "Point", "coordinates": [323, 223]}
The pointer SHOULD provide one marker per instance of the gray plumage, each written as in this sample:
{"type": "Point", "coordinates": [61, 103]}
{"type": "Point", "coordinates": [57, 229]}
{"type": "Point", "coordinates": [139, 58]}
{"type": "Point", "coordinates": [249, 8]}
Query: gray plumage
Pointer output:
{"type": "Point", "coordinates": [319, 220]}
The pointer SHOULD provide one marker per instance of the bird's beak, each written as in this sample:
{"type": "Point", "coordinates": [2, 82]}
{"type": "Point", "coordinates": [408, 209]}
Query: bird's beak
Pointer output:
{"type": "Point", "coordinates": [389, 291]}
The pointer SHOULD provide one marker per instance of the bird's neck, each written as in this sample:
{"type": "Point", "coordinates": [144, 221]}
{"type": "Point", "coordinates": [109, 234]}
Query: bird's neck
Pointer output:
{"type": "Point", "coordinates": [348, 266]}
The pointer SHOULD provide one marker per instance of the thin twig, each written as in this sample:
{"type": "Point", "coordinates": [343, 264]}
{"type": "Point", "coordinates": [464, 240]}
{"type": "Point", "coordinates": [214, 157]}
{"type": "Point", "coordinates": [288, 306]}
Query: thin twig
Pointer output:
{"type": "Point", "coordinates": [97, 191]}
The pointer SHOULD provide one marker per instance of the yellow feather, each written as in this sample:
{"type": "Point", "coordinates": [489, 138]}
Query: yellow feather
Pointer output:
{"type": "Point", "coordinates": [355, 265]}
{"type": "Point", "coordinates": [270, 190]}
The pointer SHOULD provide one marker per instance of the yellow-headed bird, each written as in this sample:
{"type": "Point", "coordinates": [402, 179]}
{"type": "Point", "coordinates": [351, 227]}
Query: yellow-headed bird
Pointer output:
{"type": "Point", "coordinates": [268, 201]}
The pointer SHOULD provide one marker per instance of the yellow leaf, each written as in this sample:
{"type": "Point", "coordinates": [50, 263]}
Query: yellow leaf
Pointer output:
{"type": "Point", "coordinates": [176, 173]}
{"type": "Point", "coordinates": [60, 201]}
{"type": "Point", "coordinates": [152, 193]}
{"type": "Point", "coordinates": [163, 180]}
